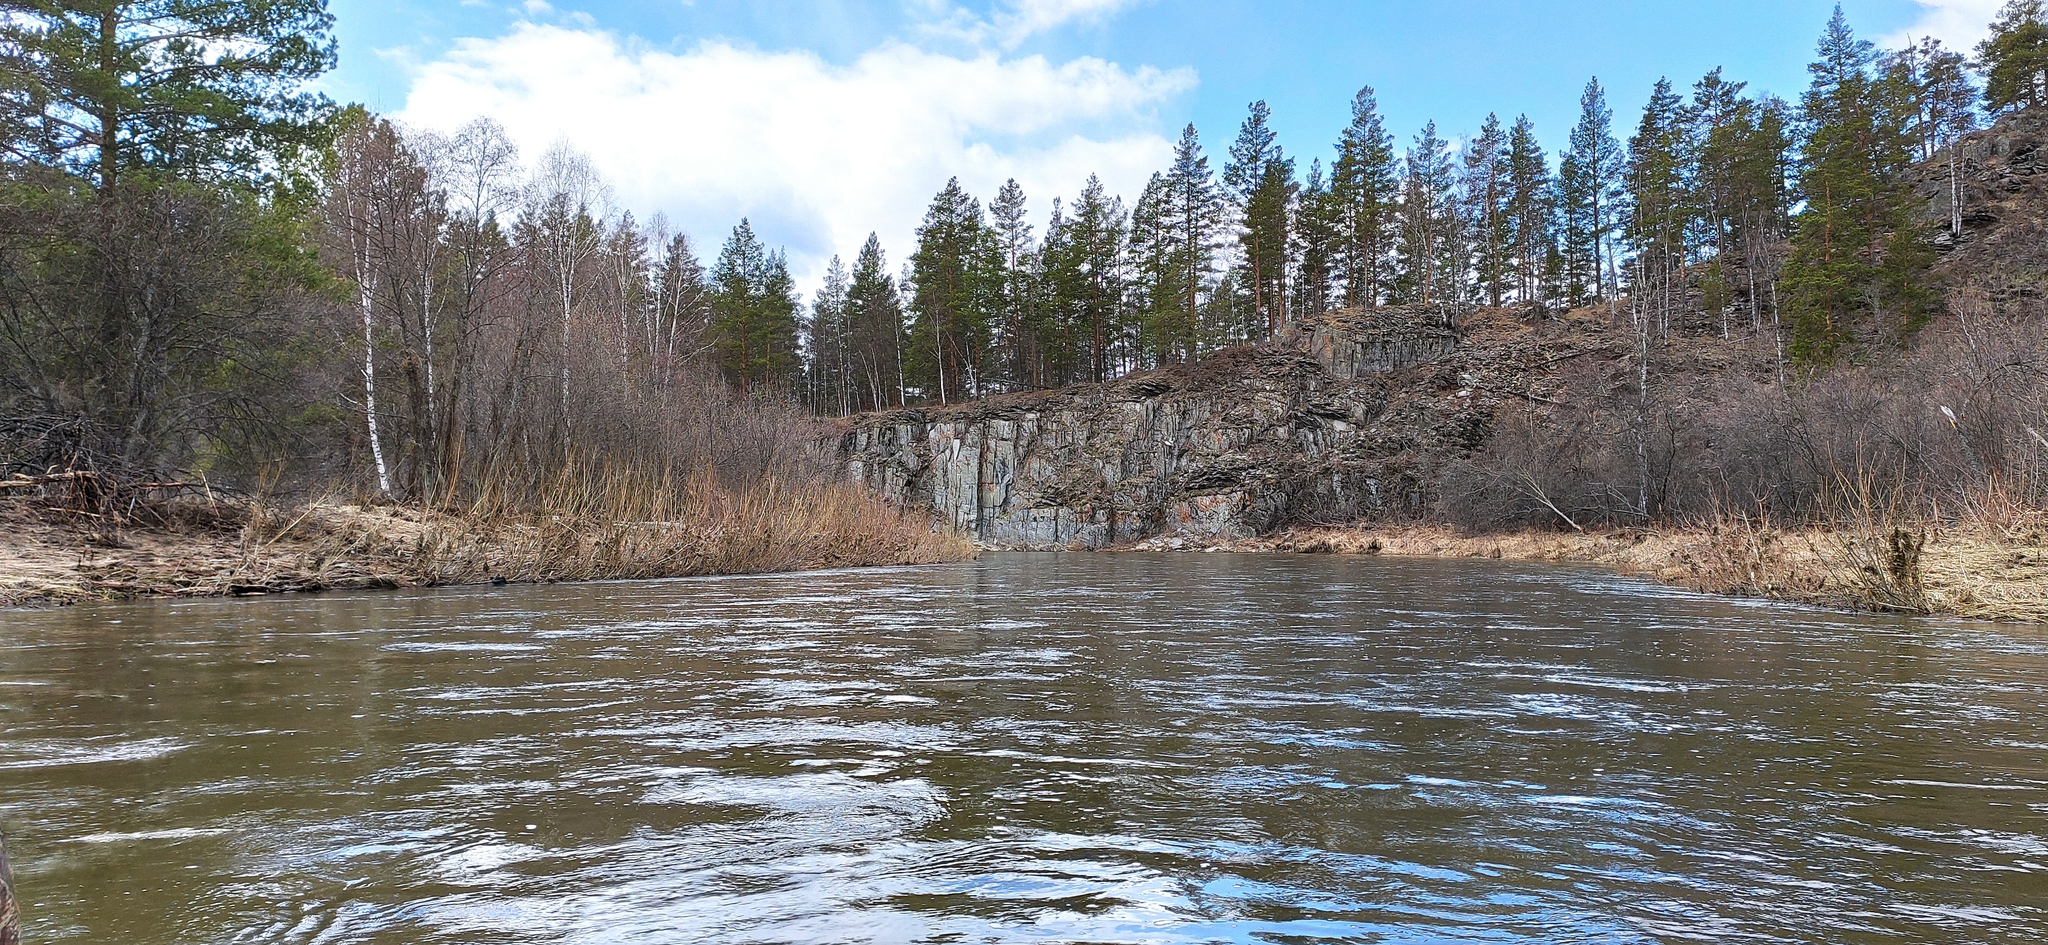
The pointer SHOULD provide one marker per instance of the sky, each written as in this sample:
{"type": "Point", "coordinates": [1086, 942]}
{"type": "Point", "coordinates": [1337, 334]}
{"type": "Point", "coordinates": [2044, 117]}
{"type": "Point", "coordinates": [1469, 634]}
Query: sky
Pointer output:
{"type": "Point", "coordinates": [824, 120]}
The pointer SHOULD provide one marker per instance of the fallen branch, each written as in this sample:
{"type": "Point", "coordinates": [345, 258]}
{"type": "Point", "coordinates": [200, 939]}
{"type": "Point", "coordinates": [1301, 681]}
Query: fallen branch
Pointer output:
{"type": "Point", "coordinates": [31, 482]}
{"type": "Point", "coordinates": [1536, 492]}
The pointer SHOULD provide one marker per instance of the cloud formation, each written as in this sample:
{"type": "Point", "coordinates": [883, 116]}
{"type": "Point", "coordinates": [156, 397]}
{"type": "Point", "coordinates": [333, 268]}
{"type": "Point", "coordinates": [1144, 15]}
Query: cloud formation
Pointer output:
{"type": "Point", "coordinates": [816, 154]}
{"type": "Point", "coordinates": [1959, 24]}
{"type": "Point", "coordinates": [1028, 17]}
{"type": "Point", "coordinates": [1011, 22]}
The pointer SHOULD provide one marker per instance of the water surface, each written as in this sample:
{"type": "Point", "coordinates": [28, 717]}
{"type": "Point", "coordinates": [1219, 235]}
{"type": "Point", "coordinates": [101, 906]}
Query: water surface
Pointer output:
{"type": "Point", "coordinates": [1029, 748]}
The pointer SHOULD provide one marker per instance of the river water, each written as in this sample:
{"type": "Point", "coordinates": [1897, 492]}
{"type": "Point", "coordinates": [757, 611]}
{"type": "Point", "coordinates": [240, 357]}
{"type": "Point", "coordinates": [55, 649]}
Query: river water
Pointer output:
{"type": "Point", "coordinates": [1028, 748]}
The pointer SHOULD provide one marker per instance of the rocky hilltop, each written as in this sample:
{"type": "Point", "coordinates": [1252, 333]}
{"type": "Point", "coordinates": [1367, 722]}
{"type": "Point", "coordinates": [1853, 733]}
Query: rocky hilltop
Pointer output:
{"type": "Point", "coordinates": [1496, 419]}
{"type": "Point", "coordinates": [1351, 415]}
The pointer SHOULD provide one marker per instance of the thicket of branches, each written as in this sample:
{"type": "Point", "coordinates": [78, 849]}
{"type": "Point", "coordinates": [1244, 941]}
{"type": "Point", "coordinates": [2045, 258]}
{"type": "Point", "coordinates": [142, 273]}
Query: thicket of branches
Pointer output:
{"type": "Point", "coordinates": [209, 273]}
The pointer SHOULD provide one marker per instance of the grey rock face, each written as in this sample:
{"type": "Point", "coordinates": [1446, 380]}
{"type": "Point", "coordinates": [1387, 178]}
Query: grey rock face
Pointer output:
{"type": "Point", "coordinates": [1229, 447]}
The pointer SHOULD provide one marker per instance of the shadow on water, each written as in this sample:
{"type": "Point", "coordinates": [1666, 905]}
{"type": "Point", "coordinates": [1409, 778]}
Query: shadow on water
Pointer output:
{"type": "Point", "coordinates": [1065, 748]}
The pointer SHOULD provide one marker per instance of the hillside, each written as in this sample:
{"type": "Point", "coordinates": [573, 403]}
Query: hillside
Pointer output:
{"type": "Point", "coordinates": [1500, 420]}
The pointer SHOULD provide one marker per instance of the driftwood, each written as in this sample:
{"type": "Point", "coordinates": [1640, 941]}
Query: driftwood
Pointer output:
{"type": "Point", "coordinates": [10, 911]}
{"type": "Point", "coordinates": [32, 482]}
{"type": "Point", "coordinates": [19, 481]}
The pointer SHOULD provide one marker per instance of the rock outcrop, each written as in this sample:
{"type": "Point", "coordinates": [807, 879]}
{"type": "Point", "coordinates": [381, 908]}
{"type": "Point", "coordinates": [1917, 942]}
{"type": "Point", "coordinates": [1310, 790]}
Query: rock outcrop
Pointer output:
{"type": "Point", "coordinates": [2000, 175]}
{"type": "Point", "coordinates": [1348, 417]}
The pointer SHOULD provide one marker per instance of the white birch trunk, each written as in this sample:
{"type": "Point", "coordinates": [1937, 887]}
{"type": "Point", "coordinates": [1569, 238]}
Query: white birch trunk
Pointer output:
{"type": "Point", "coordinates": [366, 299]}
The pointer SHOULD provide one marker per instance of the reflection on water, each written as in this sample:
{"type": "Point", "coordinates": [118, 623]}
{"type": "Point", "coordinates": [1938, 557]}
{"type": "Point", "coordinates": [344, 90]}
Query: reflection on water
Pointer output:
{"type": "Point", "coordinates": [1031, 748]}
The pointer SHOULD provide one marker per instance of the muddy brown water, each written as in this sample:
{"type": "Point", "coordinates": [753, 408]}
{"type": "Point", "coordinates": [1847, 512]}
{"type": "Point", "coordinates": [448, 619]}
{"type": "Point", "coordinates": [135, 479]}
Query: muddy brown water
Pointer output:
{"type": "Point", "coordinates": [1028, 748]}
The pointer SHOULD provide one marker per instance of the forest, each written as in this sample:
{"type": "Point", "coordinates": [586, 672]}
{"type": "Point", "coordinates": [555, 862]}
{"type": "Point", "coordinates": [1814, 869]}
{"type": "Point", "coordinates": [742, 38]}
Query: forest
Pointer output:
{"type": "Point", "coordinates": [208, 270]}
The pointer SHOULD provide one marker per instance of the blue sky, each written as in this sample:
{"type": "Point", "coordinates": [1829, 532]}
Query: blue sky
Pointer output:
{"type": "Point", "coordinates": [824, 119]}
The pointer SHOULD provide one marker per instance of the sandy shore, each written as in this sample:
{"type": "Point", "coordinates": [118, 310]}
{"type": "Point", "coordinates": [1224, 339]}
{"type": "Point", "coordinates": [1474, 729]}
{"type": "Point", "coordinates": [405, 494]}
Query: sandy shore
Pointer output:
{"type": "Point", "coordinates": [1979, 571]}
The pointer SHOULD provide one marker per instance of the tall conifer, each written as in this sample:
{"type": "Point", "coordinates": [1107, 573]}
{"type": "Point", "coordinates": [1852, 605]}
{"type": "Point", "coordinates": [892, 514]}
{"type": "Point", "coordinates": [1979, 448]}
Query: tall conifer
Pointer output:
{"type": "Point", "coordinates": [1365, 185]}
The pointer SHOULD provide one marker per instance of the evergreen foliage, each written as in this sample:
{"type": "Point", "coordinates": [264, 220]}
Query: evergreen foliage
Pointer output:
{"type": "Point", "coordinates": [754, 313]}
{"type": "Point", "coordinates": [1259, 179]}
{"type": "Point", "coordinates": [1430, 245]}
{"type": "Point", "coordinates": [2015, 56]}
{"type": "Point", "coordinates": [1588, 184]}
{"type": "Point", "coordinates": [955, 280]}
{"type": "Point", "coordinates": [179, 89]}
{"type": "Point", "coordinates": [874, 327]}
{"type": "Point", "coordinates": [1486, 186]}
{"type": "Point", "coordinates": [1530, 210]}
{"type": "Point", "coordinates": [1856, 261]}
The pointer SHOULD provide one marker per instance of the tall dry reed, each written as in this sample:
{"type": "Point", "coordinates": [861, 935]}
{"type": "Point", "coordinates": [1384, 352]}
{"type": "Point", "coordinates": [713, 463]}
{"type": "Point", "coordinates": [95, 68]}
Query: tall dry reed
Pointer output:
{"type": "Point", "coordinates": [619, 521]}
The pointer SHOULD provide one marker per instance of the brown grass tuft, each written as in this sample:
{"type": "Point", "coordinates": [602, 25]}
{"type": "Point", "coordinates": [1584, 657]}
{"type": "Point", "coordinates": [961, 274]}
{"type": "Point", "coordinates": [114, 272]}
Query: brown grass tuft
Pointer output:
{"type": "Point", "coordinates": [585, 524]}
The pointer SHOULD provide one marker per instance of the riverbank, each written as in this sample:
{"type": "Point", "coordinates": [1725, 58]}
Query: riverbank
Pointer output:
{"type": "Point", "coordinates": [202, 547]}
{"type": "Point", "coordinates": [1977, 570]}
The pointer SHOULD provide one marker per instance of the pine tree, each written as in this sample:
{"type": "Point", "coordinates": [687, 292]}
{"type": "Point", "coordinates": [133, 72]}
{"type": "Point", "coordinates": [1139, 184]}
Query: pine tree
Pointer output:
{"type": "Point", "coordinates": [1085, 286]}
{"type": "Point", "coordinates": [1155, 271]}
{"type": "Point", "coordinates": [830, 370]}
{"type": "Point", "coordinates": [1588, 183]}
{"type": "Point", "coordinates": [1485, 184]}
{"type": "Point", "coordinates": [1365, 185]}
{"type": "Point", "coordinates": [1013, 340]}
{"type": "Point", "coordinates": [874, 326]}
{"type": "Point", "coordinates": [1656, 210]}
{"type": "Point", "coordinates": [1193, 210]}
{"type": "Point", "coordinates": [1717, 105]}
{"type": "Point", "coordinates": [1260, 181]}
{"type": "Point", "coordinates": [778, 330]}
{"type": "Point", "coordinates": [1746, 164]}
{"type": "Point", "coordinates": [1944, 109]}
{"type": "Point", "coordinates": [1057, 286]}
{"type": "Point", "coordinates": [955, 284]}
{"type": "Point", "coordinates": [115, 88]}
{"type": "Point", "coordinates": [1530, 212]}
{"type": "Point", "coordinates": [2015, 56]}
{"type": "Point", "coordinates": [1430, 247]}
{"type": "Point", "coordinates": [1856, 260]}
{"type": "Point", "coordinates": [754, 313]}
{"type": "Point", "coordinates": [1317, 241]}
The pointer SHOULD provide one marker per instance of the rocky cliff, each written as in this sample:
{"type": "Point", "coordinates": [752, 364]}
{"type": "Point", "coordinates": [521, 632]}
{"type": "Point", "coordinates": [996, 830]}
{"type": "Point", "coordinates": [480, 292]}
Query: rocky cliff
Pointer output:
{"type": "Point", "coordinates": [1350, 416]}
{"type": "Point", "coordinates": [2000, 175]}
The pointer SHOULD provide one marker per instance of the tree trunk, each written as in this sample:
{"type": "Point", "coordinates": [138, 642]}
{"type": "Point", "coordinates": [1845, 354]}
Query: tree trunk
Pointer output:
{"type": "Point", "coordinates": [110, 116]}
{"type": "Point", "coordinates": [568, 303]}
{"type": "Point", "coordinates": [366, 299]}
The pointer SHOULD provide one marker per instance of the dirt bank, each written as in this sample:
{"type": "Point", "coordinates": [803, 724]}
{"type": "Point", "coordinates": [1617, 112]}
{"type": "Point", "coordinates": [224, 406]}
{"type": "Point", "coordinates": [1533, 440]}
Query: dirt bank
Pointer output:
{"type": "Point", "coordinates": [211, 549]}
{"type": "Point", "coordinates": [1974, 570]}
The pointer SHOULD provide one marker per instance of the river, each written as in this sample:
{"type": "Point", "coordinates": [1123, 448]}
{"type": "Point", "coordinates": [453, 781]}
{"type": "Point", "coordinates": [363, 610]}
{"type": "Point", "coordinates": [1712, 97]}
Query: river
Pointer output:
{"type": "Point", "coordinates": [1027, 748]}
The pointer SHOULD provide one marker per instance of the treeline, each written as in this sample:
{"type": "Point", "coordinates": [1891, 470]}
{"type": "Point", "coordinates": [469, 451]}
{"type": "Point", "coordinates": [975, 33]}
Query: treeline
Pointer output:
{"type": "Point", "coordinates": [207, 268]}
{"type": "Point", "coordinates": [1722, 211]}
{"type": "Point", "coordinates": [209, 272]}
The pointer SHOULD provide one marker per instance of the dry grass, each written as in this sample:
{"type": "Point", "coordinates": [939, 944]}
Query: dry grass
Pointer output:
{"type": "Point", "coordinates": [586, 525]}
{"type": "Point", "coordinates": [10, 912]}
{"type": "Point", "coordinates": [1983, 567]}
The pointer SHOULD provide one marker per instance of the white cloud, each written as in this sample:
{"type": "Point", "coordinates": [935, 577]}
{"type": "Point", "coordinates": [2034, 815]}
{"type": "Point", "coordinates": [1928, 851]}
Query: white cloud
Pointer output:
{"type": "Point", "coordinates": [816, 154]}
{"type": "Point", "coordinates": [1012, 21]}
{"type": "Point", "coordinates": [1959, 24]}
{"type": "Point", "coordinates": [1026, 17]}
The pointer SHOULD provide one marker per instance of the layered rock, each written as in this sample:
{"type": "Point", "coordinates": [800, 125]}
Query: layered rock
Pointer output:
{"type": "Point", "coordinates": [1344, 419]}
{"type": "Point", "coordinates": [2000, 177]}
